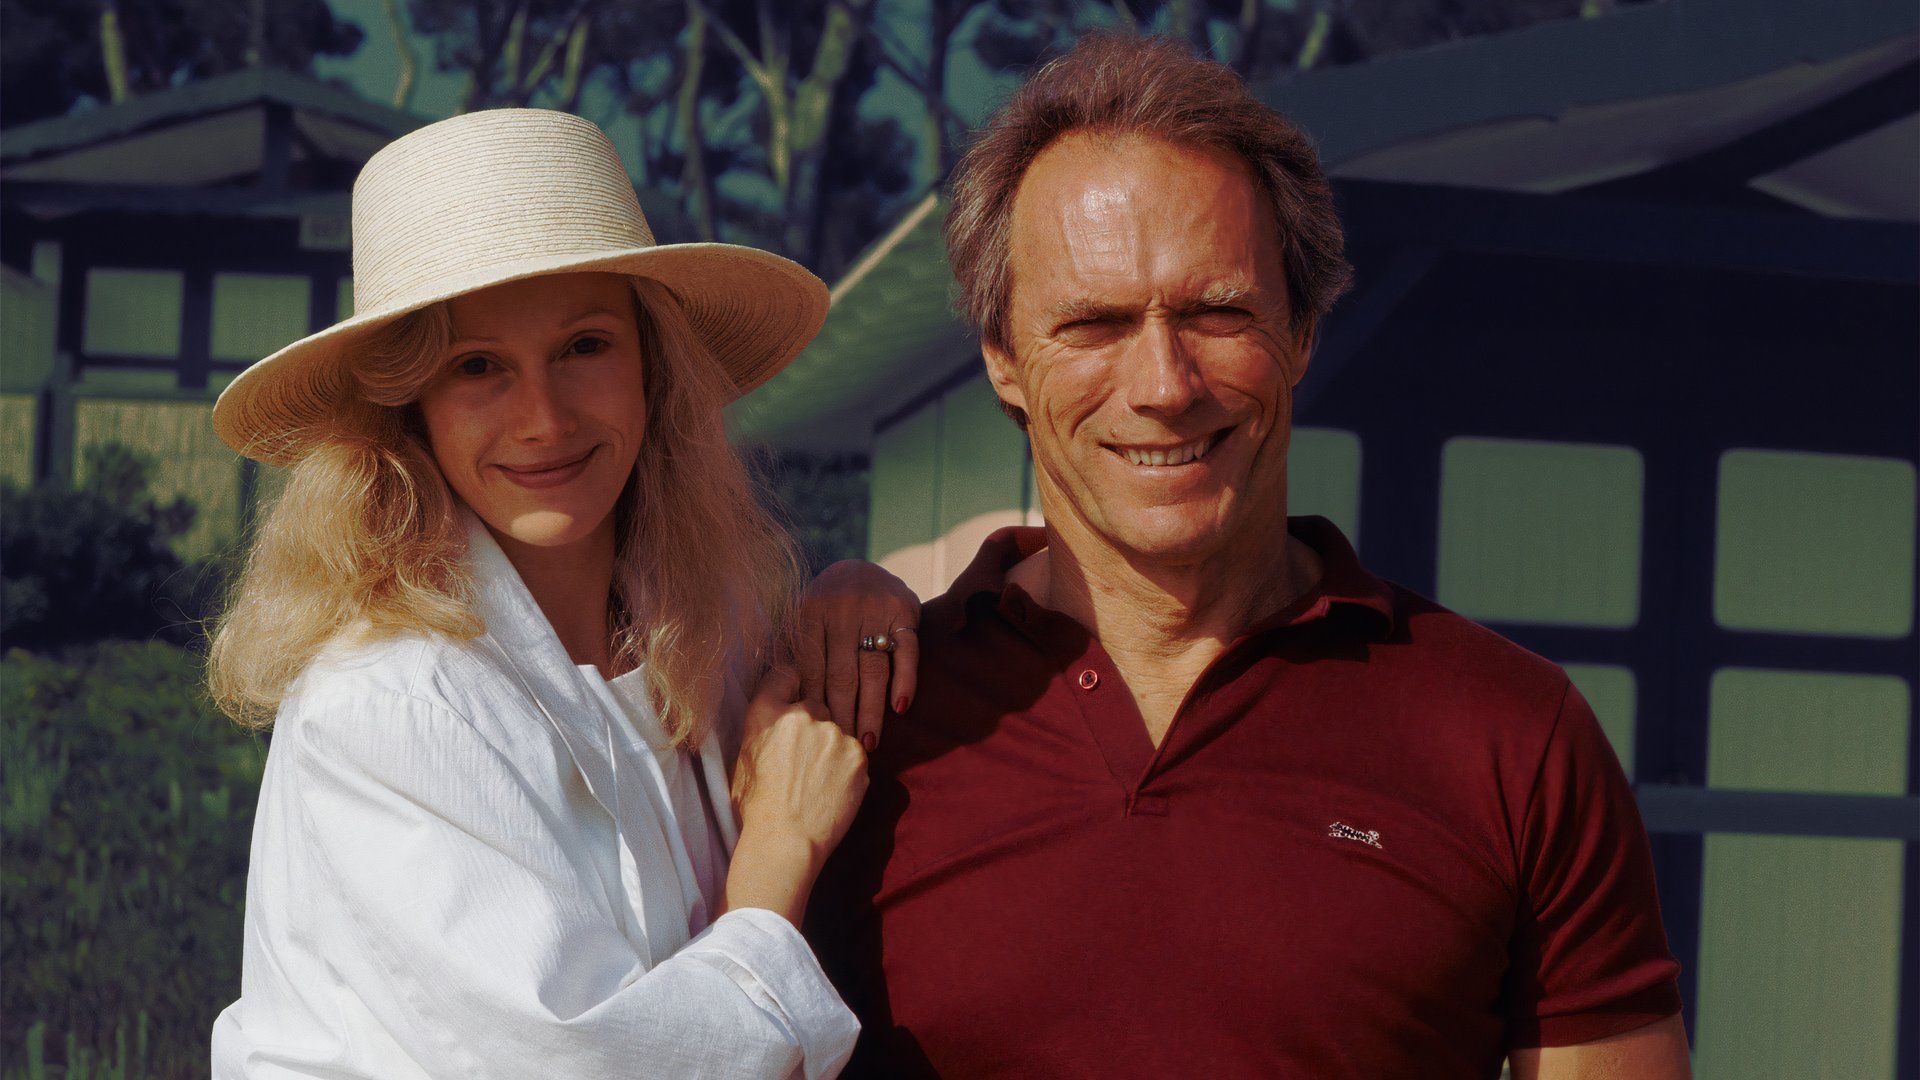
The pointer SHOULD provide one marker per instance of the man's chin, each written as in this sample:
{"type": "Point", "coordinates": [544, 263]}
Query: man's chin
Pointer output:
{"type": "Point", "coordinates": [1170, 539]}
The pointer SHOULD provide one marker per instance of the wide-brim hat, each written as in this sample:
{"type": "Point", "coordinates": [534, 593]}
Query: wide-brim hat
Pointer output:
{"type": "Point", "coordinates": [497, 196]}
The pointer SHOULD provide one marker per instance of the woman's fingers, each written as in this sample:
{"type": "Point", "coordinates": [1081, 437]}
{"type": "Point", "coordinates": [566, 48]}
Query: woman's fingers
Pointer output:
{"type": "Point", "coordinates": [778, 688]}
{"type": "Point", "coordinates": [875, 667]}
{"type": "Point", "coordinates": [906, 664]}
{"type": "Point", "coordinates": [808, 642]}
{"type": "Point", "coordinates": [843, 670]}
{"type": "Point", "coordinates": [849, 602]}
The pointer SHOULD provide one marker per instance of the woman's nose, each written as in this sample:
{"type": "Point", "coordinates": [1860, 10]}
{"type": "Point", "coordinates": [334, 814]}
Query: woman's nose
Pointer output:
{"type": "Point", "coordinates": [543, 412]}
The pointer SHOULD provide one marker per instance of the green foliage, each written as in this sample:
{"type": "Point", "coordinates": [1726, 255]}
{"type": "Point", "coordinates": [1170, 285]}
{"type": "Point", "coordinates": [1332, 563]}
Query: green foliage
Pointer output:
{"type": "Point", "coordinates": [50, 55]}
{"type": "Point", "coordinates": [84, 564]}
{"type": "Point", "coordinates": [124, 828]}
{"type": "Point", "coordinates": [822, 501]}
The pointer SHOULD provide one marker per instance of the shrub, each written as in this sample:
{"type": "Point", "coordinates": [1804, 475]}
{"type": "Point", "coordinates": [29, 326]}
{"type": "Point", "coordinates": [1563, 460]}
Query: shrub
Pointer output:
{"type": "Point", "coordinates": [821, 500]}
{"type": "Point", "coordinates": [125, 823]}
{"type": "Point", "coordinates": [82, 564]}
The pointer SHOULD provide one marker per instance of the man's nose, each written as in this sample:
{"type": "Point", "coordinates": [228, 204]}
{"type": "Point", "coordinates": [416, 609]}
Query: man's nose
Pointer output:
{"type": "Point", "coordinates": [542, 412]}
{"type": "Point", "coordinates": [1161, 375]}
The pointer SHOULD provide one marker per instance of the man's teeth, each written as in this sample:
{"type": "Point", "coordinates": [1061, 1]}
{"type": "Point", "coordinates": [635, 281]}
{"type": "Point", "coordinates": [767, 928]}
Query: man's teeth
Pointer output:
{"type": "Point", "coordinates": [1179, 455]}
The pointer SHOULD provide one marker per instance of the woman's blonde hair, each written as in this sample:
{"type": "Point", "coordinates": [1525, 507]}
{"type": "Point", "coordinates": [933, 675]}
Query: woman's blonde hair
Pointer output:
{"type": "Point", "coordinates": [366, 537]}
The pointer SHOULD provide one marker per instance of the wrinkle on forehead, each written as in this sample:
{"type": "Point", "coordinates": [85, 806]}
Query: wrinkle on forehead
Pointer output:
{"type": "Point", "coordinates": [1133, 220]}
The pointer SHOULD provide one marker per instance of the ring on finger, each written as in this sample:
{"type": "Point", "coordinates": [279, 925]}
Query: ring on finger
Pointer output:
{"type": "Point", "coordinates": [882, 643]}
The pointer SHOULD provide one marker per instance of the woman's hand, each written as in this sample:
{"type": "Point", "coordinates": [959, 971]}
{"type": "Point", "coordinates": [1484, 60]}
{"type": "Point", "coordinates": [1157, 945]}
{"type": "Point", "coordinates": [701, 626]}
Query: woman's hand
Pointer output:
{"type": "Point", "coordinates": [796, 785]}
{"type": "Point", "coordinates": [850, 601]}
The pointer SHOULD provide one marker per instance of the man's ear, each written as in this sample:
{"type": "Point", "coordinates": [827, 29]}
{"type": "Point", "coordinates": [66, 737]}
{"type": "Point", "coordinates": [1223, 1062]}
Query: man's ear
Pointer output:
{"type": "Point", "coordinates": [1304, 337]}
{"type": "Point", "coordinates": [1006, 381]}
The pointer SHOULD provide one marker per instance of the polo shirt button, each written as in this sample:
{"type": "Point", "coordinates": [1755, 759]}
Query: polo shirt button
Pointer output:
{"type": "Point", "coordinates": [1089, 679]}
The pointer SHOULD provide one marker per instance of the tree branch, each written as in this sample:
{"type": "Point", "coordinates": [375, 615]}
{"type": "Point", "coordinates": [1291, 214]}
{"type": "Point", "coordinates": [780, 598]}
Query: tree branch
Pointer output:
{"type": "Point", "coordinates": [884, 52]}
{"type": "Point", "coordinates": [409, 59]}
{"type": "Point", "coordinates": [733, 41]}
{"type": "Point", "coordinates": [1246, 47]}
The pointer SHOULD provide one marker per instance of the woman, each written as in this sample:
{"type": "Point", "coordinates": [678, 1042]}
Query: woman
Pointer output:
{"type": "Point", "coordinates": [503, 613]}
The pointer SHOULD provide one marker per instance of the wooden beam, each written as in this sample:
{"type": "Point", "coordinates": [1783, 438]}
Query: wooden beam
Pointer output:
{"type": "Point", "coordinates": [1727, 168]}
{"type": "Point", "coordinates": [1677, 808]}
{"type": "Point", "coordinates": [1601, 230]}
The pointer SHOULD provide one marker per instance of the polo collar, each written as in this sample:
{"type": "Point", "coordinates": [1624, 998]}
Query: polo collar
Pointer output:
{"type": "Point", "coordinates": [1344, 583]}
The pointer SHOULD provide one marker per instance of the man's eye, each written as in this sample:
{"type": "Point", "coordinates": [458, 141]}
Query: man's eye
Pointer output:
{"type": "Point", "coordinates": [1092, 331]}
{"type": "Point", "coordinates": [1220, 320]}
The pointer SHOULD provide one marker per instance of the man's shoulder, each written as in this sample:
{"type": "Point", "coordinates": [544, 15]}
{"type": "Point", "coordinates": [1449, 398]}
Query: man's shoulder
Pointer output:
{"type": "Point", "coordinates": [1470, 669]}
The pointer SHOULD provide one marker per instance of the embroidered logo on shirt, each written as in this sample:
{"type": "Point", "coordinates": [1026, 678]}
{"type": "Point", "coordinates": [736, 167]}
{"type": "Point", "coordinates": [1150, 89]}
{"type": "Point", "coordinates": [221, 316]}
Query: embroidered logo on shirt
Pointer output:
{"type": "Point", "coordinates": [1340, 830]}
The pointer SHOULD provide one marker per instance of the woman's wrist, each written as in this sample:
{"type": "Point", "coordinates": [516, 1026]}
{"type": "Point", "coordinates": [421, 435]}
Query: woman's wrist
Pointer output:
{"type": "Point", "coordinates": [772, 869]}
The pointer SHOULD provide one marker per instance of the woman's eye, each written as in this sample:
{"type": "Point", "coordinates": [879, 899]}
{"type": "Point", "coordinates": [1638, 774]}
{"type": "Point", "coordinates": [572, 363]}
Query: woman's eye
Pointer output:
{"type": "Point", "coordinates": [473, 365]}
{"type": "Point", "coordinates": [588, 345]}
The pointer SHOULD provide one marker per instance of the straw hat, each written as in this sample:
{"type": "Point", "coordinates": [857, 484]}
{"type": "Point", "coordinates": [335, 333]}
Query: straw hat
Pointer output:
{"type": "Point", "coordinates": [497, 196]}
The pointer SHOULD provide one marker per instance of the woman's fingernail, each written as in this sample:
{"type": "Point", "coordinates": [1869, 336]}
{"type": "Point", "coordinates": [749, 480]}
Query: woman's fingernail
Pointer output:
{"type": "Point", "coordinates": [900, 705]}
{"type": "Point", "coordinates": [868, 741]}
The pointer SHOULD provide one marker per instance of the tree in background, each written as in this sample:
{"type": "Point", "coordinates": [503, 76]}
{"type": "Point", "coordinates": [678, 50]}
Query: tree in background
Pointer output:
{"type": "Point", "coordinates": [808, 126]}
{"type": "Point", "coordinates": [55, 53]}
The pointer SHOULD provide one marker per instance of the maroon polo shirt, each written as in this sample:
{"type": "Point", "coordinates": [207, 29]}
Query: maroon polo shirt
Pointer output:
{"type": "Point", "coordinates": [1377, 841]}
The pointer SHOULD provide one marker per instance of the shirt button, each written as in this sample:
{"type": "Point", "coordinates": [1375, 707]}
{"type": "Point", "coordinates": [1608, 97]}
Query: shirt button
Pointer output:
{"type": "Point", "coordinates": [1089, 679]}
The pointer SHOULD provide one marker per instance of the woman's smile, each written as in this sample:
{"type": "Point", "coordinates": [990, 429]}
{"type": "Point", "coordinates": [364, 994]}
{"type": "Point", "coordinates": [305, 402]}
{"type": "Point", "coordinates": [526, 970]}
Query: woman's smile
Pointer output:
{"type": "Point", "coordinates": [549, 473]}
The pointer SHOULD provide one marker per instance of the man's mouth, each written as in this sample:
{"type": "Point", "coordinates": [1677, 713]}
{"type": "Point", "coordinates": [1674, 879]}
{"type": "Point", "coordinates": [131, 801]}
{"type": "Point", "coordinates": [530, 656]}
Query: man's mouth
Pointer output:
{"type": "Point", "coordinates": [1168, 456]}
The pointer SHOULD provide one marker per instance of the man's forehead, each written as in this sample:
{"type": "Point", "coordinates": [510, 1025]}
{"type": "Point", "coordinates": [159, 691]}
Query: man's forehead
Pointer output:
{"type": "Point", "coordinates": [1099, 212]}
{"type": "Point", "coordinates": [1092, 174]}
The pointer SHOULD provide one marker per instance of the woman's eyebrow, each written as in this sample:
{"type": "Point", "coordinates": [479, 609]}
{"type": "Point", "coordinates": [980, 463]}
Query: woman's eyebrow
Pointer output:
{"type": "Point", "coordinates": [470, 340]}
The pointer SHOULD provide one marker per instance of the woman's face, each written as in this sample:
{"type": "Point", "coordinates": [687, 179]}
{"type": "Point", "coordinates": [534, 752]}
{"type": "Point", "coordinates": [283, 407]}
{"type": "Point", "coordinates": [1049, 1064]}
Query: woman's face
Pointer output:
{"type": "Point", "coordinates": [538, 406]}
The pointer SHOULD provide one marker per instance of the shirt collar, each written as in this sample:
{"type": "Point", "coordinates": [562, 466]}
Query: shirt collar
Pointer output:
{"type": "Point", "coordinates": [1344, 583]}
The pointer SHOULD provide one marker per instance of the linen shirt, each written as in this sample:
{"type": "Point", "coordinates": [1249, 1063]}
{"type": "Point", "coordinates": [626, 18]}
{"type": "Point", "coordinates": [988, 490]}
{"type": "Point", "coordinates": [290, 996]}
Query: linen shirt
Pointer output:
{"type": "Point", "coordinates": [1376, 841]}
{"type": "Point", "coordinates": [467, 862]}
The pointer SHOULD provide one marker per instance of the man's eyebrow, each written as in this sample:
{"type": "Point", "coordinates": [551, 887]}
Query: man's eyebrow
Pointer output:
{"type": "Point", "coordinates": [1078, 308]}
{"type": "Point", "coordinates": [1226, 294]}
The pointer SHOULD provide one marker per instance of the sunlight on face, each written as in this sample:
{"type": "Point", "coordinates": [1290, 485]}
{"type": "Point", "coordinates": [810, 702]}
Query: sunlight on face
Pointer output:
{"type": "Point", "coordinates": [539, 407]}
{"type": "Point", "coordinates": [1152, 349]}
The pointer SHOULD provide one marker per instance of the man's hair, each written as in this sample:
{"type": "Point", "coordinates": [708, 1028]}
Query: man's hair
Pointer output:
{"type": "Point", "coordinates": [1125, 84]}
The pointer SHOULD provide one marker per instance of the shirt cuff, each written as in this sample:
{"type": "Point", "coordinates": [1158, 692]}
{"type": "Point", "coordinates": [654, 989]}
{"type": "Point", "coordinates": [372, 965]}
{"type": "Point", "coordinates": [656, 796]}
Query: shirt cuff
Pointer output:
{"type": "Point", "coordinates": [1630, 1013]}
{"type": "Point", "coordinates": [766, 956]}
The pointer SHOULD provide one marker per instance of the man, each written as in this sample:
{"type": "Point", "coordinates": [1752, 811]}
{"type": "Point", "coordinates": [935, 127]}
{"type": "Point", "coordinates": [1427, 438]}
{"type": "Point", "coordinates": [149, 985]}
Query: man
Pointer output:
{"type": "Point", "coordinates": [1185, 790]}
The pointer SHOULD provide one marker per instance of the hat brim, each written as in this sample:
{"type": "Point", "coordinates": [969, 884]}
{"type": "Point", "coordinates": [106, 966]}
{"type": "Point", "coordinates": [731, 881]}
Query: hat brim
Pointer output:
{"type": "Point", "coordinates": [754, 311]}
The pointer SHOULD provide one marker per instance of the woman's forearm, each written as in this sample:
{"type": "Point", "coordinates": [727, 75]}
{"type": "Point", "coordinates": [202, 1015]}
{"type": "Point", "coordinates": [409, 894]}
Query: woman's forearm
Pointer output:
{"type": "Point", "coordinates": [772, 870]}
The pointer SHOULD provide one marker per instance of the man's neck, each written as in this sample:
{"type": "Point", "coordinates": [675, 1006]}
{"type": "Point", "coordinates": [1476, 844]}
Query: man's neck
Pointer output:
{"type": "Point", "coordinates": [1163, 623]}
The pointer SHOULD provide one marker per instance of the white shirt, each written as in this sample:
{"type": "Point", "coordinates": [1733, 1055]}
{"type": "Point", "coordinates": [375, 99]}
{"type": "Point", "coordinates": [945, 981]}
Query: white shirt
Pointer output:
{"type": "Point", "coordinates": [689, 808]}
{"type": "Point", "coordinates": [469, 861]}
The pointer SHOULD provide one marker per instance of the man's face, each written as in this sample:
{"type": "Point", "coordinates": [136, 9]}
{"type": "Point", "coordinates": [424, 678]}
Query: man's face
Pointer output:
{"type": "Point", "coordinates": [1151, 347]}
